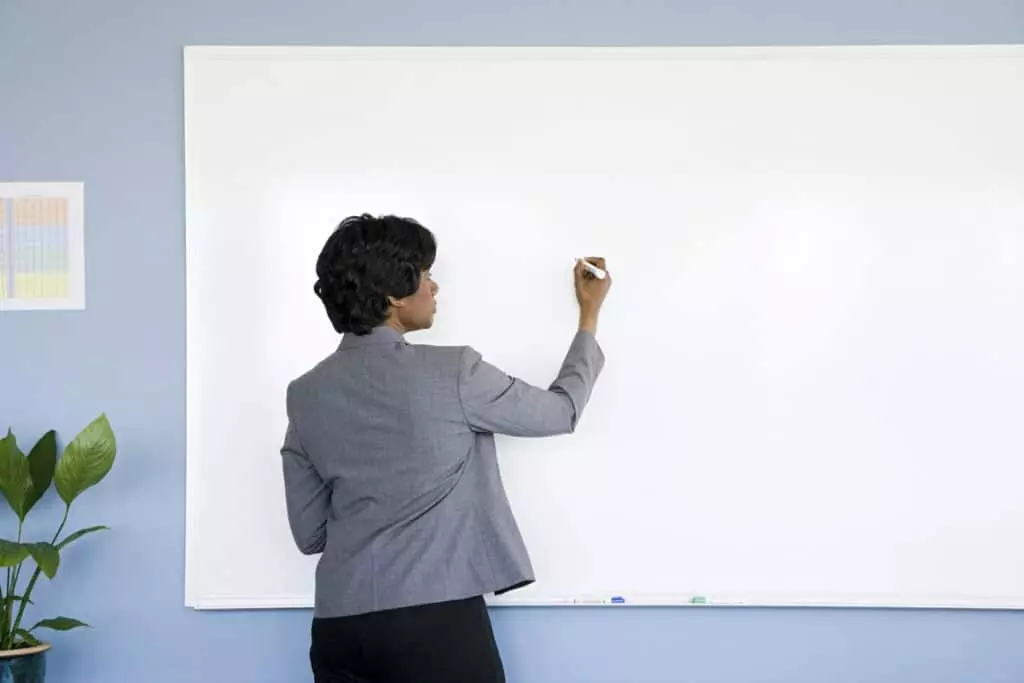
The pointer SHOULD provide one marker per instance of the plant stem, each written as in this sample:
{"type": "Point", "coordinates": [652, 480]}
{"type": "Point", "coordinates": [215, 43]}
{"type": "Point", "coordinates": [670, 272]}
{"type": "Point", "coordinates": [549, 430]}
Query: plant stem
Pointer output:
{"type": "Point", "coordinates": [12, 584]}
{"type": "Point", "coordinates": [17, 569]}
{"type": "Point", "coordinates": [67, 509]}
{"type": "Point", "coordinates": [24, 601]}
{"type": "Point", "coordinates": [4, 637]}
{"type": "Point", "coordinates": [36, 573]}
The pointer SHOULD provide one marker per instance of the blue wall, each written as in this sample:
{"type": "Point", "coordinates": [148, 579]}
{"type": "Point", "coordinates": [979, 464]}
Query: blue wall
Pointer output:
{"type": "Point", "coordinates": [92, 91]}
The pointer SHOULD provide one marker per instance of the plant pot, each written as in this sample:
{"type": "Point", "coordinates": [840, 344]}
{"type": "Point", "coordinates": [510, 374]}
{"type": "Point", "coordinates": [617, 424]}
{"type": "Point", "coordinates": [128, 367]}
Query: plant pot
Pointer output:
{"type": "Point", "coordinates": [27, 665]}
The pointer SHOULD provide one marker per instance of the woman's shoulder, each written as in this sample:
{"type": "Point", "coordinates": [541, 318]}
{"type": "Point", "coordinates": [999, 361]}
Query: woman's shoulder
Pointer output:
{"type": "Point", "coordinates": [441, 351]}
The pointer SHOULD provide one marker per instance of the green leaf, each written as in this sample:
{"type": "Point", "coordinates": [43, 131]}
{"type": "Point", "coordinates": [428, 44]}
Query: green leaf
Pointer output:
{"type": "Point", "coordinates": [86, 460]}
{"type": "Point", "coordinates": [46, 556]}
{"type": "Point", "coordinates": [42, 460]}
{"type": "Point", "coordinates": [21, 598]}
{"type": "Point", "coordinates": [27, 637]}
{"type": "Point", "coordinates": [15, 479]}
{"type": "Point", "coordinates": [12, 553]}
{"type": "Point", "coordinates": [78, 534]}
{"type": "Point", "coordinates": [60, 624]}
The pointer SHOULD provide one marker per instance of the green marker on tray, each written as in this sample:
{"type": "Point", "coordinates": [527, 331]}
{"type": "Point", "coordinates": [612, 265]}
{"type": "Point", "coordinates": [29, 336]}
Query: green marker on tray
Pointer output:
{"type": "Point", "coordinates": [698, 600]}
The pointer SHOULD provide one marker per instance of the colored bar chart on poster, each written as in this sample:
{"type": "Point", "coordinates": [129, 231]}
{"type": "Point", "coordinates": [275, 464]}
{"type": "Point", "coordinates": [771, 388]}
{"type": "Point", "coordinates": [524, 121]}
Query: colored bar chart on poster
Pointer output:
{"type": "Point", "coordinates": [42, 246]}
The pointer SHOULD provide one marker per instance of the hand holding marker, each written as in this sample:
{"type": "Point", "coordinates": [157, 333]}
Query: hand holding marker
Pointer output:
{"type": "Point", "coordinates": [592, 282]}
{"type": "Point", "coordinates": [592, 269]}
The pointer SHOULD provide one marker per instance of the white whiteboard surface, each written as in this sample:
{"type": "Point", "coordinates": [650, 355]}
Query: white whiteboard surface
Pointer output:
{"type": "Point", "coordinates": [814, 392]}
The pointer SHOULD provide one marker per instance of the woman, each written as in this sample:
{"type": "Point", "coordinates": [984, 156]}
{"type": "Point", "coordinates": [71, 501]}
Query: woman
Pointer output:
{"type": "Point", "coordinates": [390, 469]}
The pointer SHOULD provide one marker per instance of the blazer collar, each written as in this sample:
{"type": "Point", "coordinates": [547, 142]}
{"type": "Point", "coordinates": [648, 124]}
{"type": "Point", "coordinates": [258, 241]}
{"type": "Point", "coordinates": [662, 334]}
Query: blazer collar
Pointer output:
{"type": "Point", "coordinates": [379, 335]}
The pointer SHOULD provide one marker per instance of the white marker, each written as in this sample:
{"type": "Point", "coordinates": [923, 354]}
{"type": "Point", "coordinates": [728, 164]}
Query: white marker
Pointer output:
{"type": "Point", "coordinates": [594, 270]}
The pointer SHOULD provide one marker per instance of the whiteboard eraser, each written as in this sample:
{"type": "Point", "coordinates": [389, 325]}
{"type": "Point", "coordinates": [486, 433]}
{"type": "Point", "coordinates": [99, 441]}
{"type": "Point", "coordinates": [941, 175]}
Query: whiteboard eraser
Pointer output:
{"type": "Point", "coordinates": [594, 270]}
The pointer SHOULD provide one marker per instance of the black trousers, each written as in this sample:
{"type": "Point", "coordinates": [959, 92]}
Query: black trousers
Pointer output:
{"type": "Point", "coordinates": [448, 642]}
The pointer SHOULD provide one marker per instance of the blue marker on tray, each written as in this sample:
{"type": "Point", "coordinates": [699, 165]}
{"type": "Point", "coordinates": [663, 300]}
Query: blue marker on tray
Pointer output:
{"type": "Point", "coordinates": [618, 600]}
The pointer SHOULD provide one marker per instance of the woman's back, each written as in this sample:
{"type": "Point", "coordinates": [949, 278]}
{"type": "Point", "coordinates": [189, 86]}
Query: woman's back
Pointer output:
{"type": "Point", "coordinates": [396, 442]}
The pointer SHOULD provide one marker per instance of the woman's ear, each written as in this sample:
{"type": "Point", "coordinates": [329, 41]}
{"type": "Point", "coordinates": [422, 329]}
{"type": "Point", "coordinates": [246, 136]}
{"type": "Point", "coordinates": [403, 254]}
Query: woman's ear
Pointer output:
{"type": "Point", "coordinates": [396, 303]}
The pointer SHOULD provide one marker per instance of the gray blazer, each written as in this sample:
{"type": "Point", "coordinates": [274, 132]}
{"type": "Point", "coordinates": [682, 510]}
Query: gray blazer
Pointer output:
{"type": "Point", "coordinates": [390, 469]}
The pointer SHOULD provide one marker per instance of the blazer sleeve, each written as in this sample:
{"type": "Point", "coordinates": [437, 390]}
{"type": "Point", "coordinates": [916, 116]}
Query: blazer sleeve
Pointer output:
{"type": "Point", "coordinates": [307, 496]}
{"type": "Point", "coordinates": [494, 402]}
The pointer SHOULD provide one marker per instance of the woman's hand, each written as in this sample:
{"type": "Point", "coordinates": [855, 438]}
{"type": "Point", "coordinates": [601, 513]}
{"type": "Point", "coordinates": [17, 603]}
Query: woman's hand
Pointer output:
{"type": "Point", "coordinates": [591, 292]}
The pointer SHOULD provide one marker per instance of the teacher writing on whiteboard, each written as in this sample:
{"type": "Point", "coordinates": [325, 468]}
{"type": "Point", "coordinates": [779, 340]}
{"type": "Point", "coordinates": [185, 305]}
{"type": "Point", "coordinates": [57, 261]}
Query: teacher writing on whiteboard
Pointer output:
{"type": "Point", "coordinates": [390, 471]}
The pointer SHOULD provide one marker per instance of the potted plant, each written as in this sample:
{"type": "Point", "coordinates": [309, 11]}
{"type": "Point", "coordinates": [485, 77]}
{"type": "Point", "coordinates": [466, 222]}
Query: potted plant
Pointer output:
{"type": "Point", "coordinates": [23, 481]}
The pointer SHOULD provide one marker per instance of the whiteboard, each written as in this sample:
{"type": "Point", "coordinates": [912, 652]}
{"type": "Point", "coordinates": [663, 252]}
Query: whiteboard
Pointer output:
{"type": "Point", "coordinates": [815, 341]}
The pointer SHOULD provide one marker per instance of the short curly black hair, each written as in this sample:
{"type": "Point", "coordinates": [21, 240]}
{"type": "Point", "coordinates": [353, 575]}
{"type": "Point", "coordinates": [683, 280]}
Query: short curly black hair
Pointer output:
{"type": "Point", "coordinates": [366, 260]}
